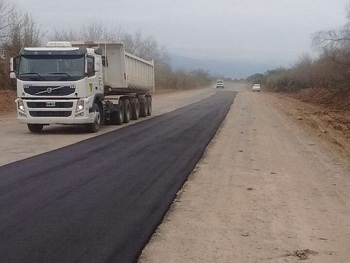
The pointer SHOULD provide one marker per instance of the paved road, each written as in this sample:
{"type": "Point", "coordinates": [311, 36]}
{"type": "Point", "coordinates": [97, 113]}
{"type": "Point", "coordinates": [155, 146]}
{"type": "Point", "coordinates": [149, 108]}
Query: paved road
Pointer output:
{"type": "Point", "coordinates": [100, 200]}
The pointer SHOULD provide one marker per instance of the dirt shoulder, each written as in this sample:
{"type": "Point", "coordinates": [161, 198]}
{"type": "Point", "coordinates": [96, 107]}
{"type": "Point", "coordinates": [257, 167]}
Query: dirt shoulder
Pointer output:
{"type": "Point", "coordinates": [266, 190]}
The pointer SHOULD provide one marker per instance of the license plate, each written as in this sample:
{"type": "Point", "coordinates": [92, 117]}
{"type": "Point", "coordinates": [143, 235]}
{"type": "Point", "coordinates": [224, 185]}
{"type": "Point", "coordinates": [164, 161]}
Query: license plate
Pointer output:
{"type": "Point", "coordinates": [50, 104]}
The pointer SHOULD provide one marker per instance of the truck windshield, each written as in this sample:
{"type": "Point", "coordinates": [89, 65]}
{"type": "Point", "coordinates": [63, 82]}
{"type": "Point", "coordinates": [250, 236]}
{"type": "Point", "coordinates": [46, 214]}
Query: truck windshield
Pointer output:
{"type": "Point", "coordinates": [51, 67]}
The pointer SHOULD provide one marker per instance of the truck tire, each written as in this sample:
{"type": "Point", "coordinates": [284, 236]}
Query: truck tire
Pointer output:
{"type": "Point", "coordinates": [117, 117]}
{"type": "Point", "coordinates": [143, 108]}
{"type": "Point", "coordinates": [95, 126]}
{"type": "Point", "coordinates": [149, 106]}
{"type": "Point", "coordinates": [127, 111]}
{"type": "Point", "coordinates": [135, 109]}
{"type": "Point", "coordinates": [35, 128]}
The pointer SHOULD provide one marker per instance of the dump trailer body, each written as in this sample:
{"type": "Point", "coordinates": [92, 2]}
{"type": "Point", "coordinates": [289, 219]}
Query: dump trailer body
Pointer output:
{"type": "Point", "coordinates": [122, 71]}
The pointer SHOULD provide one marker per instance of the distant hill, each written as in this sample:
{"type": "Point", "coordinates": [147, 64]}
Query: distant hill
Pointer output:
{"type": "Point", "coordinates": [233, 69]}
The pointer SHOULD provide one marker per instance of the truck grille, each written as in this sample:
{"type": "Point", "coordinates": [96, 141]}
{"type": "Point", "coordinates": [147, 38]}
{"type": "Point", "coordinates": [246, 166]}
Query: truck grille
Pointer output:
{"type": "Point", "coordinates": [49, 90]}
{"type": "Point", "coordinates": [50, 113]}
{"type": "Point", "coordinates": [56, 104]}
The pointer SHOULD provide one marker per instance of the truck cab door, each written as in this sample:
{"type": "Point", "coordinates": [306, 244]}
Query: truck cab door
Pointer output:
{"type": "Point", "coordinates": [98, 72]}
{"type": "Point", "coordinates": [93, 71]}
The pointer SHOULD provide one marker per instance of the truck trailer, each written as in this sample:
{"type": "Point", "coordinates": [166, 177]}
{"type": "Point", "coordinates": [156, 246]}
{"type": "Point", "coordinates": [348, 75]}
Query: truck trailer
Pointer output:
{"type": "Point", "coordinates": [84, 83]}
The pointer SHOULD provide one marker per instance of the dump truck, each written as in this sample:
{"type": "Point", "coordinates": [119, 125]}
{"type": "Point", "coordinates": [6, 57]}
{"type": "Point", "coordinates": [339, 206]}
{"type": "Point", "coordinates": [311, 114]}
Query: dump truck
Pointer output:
{"type": "Point", "coordinates": [85, 83]}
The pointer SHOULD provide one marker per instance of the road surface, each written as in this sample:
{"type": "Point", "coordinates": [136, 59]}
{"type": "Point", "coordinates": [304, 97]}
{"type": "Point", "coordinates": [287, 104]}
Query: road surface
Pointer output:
{"type": "Point", "coordinates": [266, 190]}
{"type": "Point", "coordinates": [99, 200]}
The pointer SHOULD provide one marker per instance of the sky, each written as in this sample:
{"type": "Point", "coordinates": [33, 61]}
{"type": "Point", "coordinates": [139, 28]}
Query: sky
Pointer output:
{"type": "Point", "coordinates": [265, 34]}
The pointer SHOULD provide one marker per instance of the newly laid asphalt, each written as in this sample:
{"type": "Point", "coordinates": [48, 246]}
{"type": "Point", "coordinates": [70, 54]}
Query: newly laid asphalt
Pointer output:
{"type": "Point", "coordinates": [101, 199]}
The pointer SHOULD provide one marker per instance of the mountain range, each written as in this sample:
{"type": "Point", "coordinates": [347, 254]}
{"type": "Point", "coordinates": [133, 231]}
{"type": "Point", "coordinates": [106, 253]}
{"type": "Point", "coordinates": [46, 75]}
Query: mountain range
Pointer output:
{"type": "Point", "coordinates": [229, 69]}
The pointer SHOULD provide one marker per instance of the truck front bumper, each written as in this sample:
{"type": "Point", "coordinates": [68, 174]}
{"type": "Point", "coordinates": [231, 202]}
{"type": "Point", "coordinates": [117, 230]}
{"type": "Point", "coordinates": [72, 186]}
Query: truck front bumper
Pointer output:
{"type": "Point", "coordinates": [53, 112]}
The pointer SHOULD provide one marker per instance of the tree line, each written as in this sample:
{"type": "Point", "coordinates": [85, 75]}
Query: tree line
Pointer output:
{"type": "Point", "coordinates": [329, 70]}
{"type": "Point", "coordinates": [19, 29]}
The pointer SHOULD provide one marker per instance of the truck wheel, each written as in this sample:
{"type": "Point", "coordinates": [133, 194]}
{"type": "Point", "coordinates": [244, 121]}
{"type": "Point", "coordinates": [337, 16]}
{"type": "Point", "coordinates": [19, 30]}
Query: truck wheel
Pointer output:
{"type": "Point", "coordinates": [149, 106]}
{"type": "Point", "coordinates": [117, 117]}
{"type": "Point", "coordinates": [135, 110]}
{"type": "Point", "coordinates": [143, 108]}
{"type": "Point", "coordinates": [95, 126]}
{"type": "Point", "coordinates": [127, 111]}
{"type": "Point", "coordinates": [35, 128]}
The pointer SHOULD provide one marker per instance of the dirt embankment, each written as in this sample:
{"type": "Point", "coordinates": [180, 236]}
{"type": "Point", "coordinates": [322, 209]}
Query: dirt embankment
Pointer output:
{"type": "Point", "coordinates": [336, 100]}
{"type": "Point", "coordinates": [324, 112]}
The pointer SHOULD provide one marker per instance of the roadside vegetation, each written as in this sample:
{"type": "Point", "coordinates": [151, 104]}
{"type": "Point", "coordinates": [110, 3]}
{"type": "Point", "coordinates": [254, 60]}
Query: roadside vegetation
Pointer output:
{"type": "Point", "coordinates": [17, 29]}
{"type": "Point", "coordinates": [323, 80]}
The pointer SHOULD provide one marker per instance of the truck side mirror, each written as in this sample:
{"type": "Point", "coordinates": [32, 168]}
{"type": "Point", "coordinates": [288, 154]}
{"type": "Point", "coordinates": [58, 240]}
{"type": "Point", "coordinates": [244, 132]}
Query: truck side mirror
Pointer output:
{"type": "Point", "coordinates": [11, 64]}
{"type": "Point", "coordinates": [14, 66]}
{"type": "Point", "coordinates": [12, 75]}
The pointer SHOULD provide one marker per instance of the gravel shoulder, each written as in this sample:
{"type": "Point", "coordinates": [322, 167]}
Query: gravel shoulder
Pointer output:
{"type": "Point", "coordinates": [268, 189]}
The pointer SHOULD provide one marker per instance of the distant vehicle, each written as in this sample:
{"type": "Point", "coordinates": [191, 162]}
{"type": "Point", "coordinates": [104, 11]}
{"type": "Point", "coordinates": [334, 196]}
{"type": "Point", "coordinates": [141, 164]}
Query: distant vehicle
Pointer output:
{"type": "Point", "coordinates": [220, 84]}
{"type": "Point", "coordinates": [256, 87]}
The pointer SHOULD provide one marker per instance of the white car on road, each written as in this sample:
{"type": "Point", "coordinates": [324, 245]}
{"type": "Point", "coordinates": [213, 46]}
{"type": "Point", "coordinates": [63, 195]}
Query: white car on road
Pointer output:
{"type": "Point", "coordinates": [220, 84]}
{"type": "Point", "coordinates": [256, 87]}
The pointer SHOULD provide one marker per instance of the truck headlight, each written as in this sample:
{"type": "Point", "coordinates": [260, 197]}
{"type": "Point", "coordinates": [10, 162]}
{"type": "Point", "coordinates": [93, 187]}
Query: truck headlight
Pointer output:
{"type": "Point", "coordinates": [80, 105]}
{"type": "Point", "coordinates": [20, 106]}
